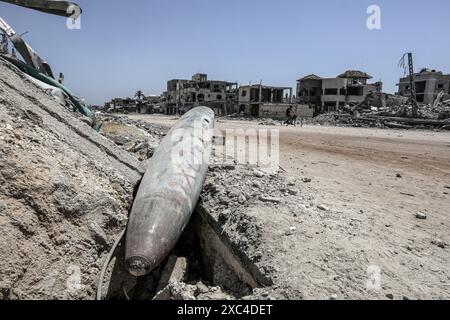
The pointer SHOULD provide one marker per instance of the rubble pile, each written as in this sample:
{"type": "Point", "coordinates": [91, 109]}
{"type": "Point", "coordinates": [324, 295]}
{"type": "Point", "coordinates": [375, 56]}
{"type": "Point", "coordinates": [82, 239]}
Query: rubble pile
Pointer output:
{"type": "Point", "coordinates": [383, 110]}
{"type": "Point", "coordinates": [65, 193]}
{"type": "Point", "coordinates": [134, 136]}
{"type": "Point", "coordinates": [177, 283]}
{"type": "Point", "coordinates": [151, 128]}
{"type": "Point", "coordinates": [426, 111]}
{"type": "Point", "coordinates": [231, 196]}
{"type": "Point", "coordinates": [440, 112]}
{"type": "Point", "coordinates": [397, 116]}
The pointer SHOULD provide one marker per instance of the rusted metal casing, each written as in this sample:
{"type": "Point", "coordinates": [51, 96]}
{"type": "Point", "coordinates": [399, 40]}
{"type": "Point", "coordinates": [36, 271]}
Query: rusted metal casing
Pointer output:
{"type": "Point", "coordinates": [169, 191]}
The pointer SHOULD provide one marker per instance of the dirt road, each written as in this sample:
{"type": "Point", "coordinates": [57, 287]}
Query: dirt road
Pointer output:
{"type": "Point", "coordinates": [372, 183]}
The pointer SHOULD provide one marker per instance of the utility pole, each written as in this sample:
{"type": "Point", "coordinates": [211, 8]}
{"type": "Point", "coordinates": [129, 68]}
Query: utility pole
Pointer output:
{"type": "Point", "coordinates": [415, 106]}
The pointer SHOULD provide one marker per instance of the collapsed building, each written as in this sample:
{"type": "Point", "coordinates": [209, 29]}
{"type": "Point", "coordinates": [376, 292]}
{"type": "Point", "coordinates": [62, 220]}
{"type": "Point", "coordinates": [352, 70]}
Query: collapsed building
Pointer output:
{"type": "Point", "coordinates": [429, 85]}
{"type": "Point", "coordinates": [143, 105]}
{"type": "Point", "coordinates": [121, 104]}
{"type": "Point", "coordinates": [227, 98]}
{"type": "Point", "coordinates": [328, 94]}
{"type": "Point", "coordinates": [269, 102]}
{"type": "Point", "coordinates": [183, 95]}
{"type": "Point", "coordinates": [256, 99]}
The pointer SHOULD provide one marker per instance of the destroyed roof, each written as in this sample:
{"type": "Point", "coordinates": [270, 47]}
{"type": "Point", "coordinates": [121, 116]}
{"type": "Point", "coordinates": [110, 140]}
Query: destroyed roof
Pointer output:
{"type": "Point", "coordinates": [310, 77]}
{"type": "Point", "coordinates": [355, 74]}
{"type": "Point", "coordinates": [428, 70]}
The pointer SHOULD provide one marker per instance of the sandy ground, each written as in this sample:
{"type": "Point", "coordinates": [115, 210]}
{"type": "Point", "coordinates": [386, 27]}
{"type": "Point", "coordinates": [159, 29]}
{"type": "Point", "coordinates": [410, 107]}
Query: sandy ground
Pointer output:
{"type": "Point", "coordinates": [371, 183]}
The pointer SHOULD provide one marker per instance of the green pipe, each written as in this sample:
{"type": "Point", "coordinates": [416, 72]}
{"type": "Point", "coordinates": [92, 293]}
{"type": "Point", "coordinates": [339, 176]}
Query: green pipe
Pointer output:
{"type": "Point", "coordinates": [80, 105]}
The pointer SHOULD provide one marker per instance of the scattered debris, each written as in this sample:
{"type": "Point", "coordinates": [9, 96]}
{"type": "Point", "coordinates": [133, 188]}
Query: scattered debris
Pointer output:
{"type": "Point", "coordinates": [391, 116]}
{"type": "Point", "coordinates": [270, 199]}
{"type": "Point", "coordinates": [291, 231]}
{"type": "Point", "coordinates": [174, 271]}
{"type": "Point", "coordinates": [440, 243]}
{"type": "Point", "coordinates": [407, 194]}
{"type": "Point", "coordinates": [421, 215]}
{"type": "Point", "coordinates": [323, 207]}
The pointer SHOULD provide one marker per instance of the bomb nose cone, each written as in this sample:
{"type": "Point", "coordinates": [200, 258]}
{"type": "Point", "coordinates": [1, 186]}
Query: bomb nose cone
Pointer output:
{"type": "Point", "coordinates": [138, 266]}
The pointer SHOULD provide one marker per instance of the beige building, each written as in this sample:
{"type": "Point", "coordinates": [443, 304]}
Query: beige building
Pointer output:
{"type": "Point", "coordinates": [328, 94]}
{"type": "Point", "coordinates": [429, 84]}
{"type": "Point", "coordinates": [253, 98]}
{"type": "Point", "coordinates": [183, 95]}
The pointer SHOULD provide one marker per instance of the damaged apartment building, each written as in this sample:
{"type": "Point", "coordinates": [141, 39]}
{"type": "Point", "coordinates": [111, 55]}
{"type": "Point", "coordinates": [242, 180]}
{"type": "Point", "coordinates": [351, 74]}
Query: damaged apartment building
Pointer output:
{"type": "Point", "coordinates": [182, 95]}
{"type": "Point", "coordinates": [328, 94]}
{"type": "Point", "coordinates": [254, 99]}
{"type": "Point", "coordinates": [268, 102]}
{"type": "Point", "coordinates": [429, 84]}
{"type": "Point", "coordinates": [144, 105]}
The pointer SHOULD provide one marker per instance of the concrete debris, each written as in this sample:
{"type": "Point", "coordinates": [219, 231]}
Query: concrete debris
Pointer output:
{"type": "Point", "coordinates": [214, 293]}
{"type": "Point", "coordinates": [201, 288]}
{"type": "Point", "coordinates": [292, 192]}
{"type": "Point", "coordinates": [323, 207]}
{"type": "Point", "coordinates": [183, 291]}
{"type": "Point", "coordinates": [421, 216]}
{"type": "Point", "coordinates": [177, 291]}
{"type": "Point", "coordinates": [270, 199]}
{"type": "Point", "coordinates": [291, 231]}
{"type": "Point", "coordinates": [136, 137]}
{"type": "Point", "coordinates": [98, 234]}
{"type": "Point", "coordinates": [440, 243]}
{"type": "Point", "coordinates": [258, 173]}
{"type": "Point", "coordinates": [174, 271]}
{"type": "Point", "coordinates": [242, 199]}
{"type": "Point", "coordinates": [392, 115]}
{"type": "Point", "coordinates": [256, 184]}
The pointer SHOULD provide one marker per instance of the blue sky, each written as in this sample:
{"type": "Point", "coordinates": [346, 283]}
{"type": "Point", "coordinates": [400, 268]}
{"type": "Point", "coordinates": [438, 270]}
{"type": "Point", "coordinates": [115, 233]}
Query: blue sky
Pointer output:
{"type": "Point", "coordinates": [124, 46]}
